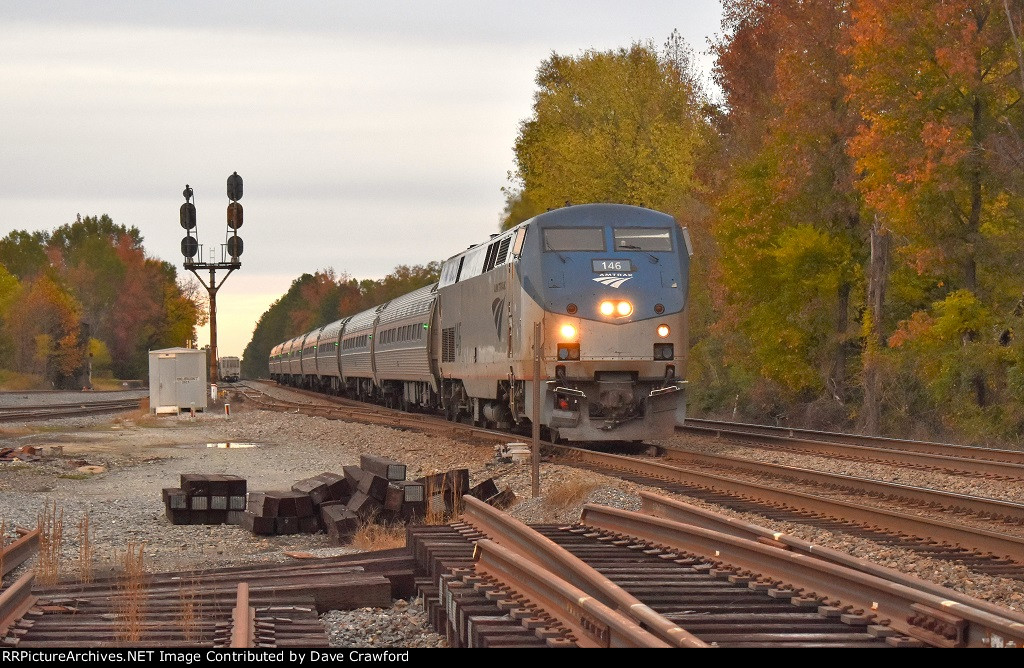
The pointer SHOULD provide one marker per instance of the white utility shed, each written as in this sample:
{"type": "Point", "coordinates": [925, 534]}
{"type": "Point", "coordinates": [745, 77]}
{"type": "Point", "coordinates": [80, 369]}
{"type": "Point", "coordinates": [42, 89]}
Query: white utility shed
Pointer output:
{"type": "Point", "coordinates": [177, 380]}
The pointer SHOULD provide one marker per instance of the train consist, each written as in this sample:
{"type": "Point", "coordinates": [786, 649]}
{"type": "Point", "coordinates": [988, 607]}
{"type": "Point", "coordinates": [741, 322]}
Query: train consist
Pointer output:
{"type": "Point", "coordinates": [608, 284]}
{"type": "Point", "coordinates": [229, 369]}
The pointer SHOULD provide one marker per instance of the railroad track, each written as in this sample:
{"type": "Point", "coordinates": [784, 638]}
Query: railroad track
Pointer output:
{"type": "Point", "coordinates": [984, 534]}
{"type": "Point", "coordinates": [992, 463]}
{"type": "Point", "coordinates": [54, 411]}
{"type": "Point", "coordinates": [624, 579]}
{"type": "Point", "coordinates": [937, 536]}
{"type": "Point", "coordinates": [614, 579]}
{"type": "Point", "coordinates": [269, 605]}
{"type": "Point", "coordinates": [337, 408]}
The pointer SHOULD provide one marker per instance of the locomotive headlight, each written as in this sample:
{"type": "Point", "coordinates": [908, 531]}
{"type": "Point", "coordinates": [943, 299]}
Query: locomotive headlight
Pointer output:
{"type": "Point", "coordinates": [624, 308]}
{"type": "Point", "coordinates": [607, 308]}
{"type": "Point", "coordinates": [568, 332]}
{"type": "Point", "coordinates": [663, 331]}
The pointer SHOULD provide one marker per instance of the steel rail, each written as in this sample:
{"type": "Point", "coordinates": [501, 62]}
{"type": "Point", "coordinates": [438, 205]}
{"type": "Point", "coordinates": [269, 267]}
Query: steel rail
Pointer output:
{"type": "Point", "coordinates": [542, 551]}
{"type": "Point", "coordinates": [684, 513]}
{"type": "Point", "coordinates": [243, 620]}
{"type": "Point", "coordinates": [950, 460]}
{"type": "Point", "coordinates": [15, 414]}
{"type": "Point", "coordinates": [20, 550]}
{"type": "Point", "coordinates": [1011, 547]}
{"type": "Point", "coordinates": [593, 623]}
{"type": "Point", "coordinates": [15, 601]}
{"type": "Point", "coordinates": [932, 619]}
{"type": "Point", "coordinates": [926, 447]}
{"type": "Point", "coordinates": [995, 508]}
{"type": "Point", "coordinates": [371, 414]}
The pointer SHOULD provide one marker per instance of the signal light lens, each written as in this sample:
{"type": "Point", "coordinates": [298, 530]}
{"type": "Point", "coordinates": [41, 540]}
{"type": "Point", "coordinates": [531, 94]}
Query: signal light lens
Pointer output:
{"type": "Point", "coordinates": [607, 308]}
{"type": "Point", "coordinates": [568, 332]}
{"type": "Point", "coordinates": [624, 308]}
{"type": "Point", "coordinates": [663, 331]}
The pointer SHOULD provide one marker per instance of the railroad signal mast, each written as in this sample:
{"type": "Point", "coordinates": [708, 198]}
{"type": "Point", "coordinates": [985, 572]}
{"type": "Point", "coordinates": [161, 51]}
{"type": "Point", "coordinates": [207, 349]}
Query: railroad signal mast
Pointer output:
{"type": "Point", "coordinates": [230, 251]}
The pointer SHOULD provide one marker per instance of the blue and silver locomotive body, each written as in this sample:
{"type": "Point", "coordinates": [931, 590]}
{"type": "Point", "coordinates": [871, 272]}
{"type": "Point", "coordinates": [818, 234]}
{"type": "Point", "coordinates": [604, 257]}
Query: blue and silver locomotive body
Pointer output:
{"type": "Point", "coordinates": [608, 285]}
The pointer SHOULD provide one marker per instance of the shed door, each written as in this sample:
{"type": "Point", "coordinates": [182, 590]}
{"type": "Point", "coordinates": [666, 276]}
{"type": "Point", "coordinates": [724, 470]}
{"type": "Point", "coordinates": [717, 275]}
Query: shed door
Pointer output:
{"type": "Point", "coordinates": [167, 371]}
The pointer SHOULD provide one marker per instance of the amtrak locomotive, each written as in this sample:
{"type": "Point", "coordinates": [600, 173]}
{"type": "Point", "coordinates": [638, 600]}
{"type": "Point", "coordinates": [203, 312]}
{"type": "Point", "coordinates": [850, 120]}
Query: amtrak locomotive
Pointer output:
{"type": "Point", "coordinates": [607, 282]}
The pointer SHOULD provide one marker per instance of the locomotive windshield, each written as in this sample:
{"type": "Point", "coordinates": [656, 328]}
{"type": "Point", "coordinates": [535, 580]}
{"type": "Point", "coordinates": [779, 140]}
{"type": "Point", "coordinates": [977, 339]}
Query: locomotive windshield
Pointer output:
{"type": "Point", "coordinates": [574, 239]}
{"type": "Point", "coordinates": [643, 239]}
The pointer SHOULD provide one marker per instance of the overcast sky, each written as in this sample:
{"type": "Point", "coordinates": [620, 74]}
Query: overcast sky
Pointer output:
{"type": "Point", "coordinates": [368, 134]}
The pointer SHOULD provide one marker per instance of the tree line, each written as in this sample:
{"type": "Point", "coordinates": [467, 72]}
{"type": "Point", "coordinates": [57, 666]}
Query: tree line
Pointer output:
{"type": "Point", "coordinates": [855, 193]}
{"type": "Point", "coordinates": [88, 291]}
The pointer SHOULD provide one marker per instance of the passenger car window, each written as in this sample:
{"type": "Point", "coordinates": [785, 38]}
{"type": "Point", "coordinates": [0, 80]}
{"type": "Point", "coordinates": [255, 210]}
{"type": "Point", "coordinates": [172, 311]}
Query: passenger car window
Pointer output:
{"type": "Point", "coordinates": [574, 239]}
{"type": "Point", "coordinates": [643, 238]}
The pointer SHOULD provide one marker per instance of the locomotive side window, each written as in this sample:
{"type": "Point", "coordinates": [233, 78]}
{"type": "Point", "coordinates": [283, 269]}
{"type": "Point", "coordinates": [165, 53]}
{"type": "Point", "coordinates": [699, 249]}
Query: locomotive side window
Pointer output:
{"type": "Point", "coordinates": [574, 239]}
{"type": "Point", "coordinates": [643, 238]}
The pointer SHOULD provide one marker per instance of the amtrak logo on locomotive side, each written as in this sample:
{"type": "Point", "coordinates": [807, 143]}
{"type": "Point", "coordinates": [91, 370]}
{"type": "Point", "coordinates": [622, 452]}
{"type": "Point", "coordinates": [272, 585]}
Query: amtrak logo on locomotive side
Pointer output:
{"type": "Point", "coordinates": [613, 280]}
{"type": "Point", "coordinates": [498, 309]}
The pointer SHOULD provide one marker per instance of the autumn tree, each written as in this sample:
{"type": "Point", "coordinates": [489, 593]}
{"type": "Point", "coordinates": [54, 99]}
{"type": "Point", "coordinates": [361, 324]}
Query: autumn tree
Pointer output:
{"type": "Point", "coordinates": [789, 222]}
{"type": "Point", "coordinates": [44, 322]}
{"type": "Point", "coordinates": [132, 302]}
{"type": "Point", "coordinates": [127, 300]}
{"type": "Point", "coordinates": [939, 88]}
{"type": "Point", "coordinates": [623, 126]}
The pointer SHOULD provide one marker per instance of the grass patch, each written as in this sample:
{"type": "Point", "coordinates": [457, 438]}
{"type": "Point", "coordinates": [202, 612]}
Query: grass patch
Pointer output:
{"type": "Point", "coordinates": [131, 604]}
{"type": "Point", "coordinates": [372, 537]}
{"type": "Point", "coordinates": [51, 537]}
{"type": "Point", "coordinates": [566, 494]}
{"type": "Point", "coordinates": [12, 381]}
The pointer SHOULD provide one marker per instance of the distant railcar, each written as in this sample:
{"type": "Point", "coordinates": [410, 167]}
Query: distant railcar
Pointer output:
{"type": "Point", "coordinates": [229, 369]}
{"type": "Point", "coordinates": [608, 284]}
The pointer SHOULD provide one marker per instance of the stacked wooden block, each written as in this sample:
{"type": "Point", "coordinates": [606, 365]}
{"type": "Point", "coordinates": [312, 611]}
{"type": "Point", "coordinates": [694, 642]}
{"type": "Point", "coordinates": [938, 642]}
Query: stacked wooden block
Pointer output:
{"type": "Point", "coordinates": [382, 493]}
{"type": "Point", "coordinates": [205, 498]}
{"type": "Point", "coordinates": [296, 510]}
{"type": "Point", "coordinates": [374, 491]}
{"type": "Point", "coordinates": [488, 492]}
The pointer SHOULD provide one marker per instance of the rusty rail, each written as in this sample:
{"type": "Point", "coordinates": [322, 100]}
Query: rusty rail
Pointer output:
{"type": "Point", "coordinates": [15, 601]}
{"type": "Point", "coordinates": [983, 506]}
{"type": "Point", "coordinates": [591, 622]}
{"type": "Point", "coordinates": [243, 620]}
{"type": "Point", "coordinates": [26, 413]}
{"type": "Point", "coordinates": [1011, 547]}
{"type": "Point", "coordinates": [684, 513]}
{"type": "Point", "coordinates": [20, 550]}
{"type": "Point", "coordinates": [903, 445]}
{"type": "Point", "coordinates": [337, 408]}
{"type": "Point", "coordinates": [971, 461]}
{"type": "Point", "coordinates": [535, 548]}
{"type": "Point", "coordinates": [932, 619]}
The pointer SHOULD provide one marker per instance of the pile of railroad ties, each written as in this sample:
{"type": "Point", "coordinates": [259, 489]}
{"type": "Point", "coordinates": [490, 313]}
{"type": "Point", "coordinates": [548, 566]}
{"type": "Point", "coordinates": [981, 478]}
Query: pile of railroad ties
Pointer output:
{"type": "Point", "coordinates": [376, 491]}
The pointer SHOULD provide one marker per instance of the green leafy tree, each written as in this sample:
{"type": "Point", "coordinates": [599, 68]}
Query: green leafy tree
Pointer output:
{"type": "Point", "coordinates": [622, 126]}
{"type": "Point", "coordinates": [23, 253]}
